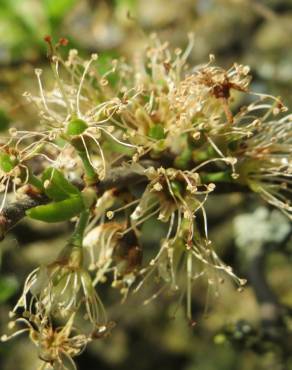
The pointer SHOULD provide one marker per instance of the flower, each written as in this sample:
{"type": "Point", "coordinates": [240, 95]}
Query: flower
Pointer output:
{"type": "Point", "coordinates": [14, 169]}
{"type": "Point", "coordinates": [100, 243]}
{"type": "Point", "coordinates": [185, 254]}
{"type": "Point", "coordinates": [110, 253]}
{"type": "Point", "coordinates": [62, 287]}
{"type": "Point", "coordinates": [80, 106]}
{"type": "Point", "coordinates": [57, 346]}
{"type": "Point", "coordinates": [169, 192]}
{"type": "Point", "coordinates": [264, 155]}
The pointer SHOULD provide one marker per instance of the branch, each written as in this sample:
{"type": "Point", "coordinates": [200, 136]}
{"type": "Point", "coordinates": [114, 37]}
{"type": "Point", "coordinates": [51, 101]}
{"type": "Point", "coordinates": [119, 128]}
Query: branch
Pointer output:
{"type": "Point", "coordinates": [123, 177]}
{"type": "Point", "coordinates": [15, 212]}
{"type": "Point", "coordinates": [118, 178]}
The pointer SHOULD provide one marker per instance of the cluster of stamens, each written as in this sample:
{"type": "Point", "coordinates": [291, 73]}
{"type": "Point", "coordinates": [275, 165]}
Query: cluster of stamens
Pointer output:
{"type": "Point", "coordinates": [157, 109]}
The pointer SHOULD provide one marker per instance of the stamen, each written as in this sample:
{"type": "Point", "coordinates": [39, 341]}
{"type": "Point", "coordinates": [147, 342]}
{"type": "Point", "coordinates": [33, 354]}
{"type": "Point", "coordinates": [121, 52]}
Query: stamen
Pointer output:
{"type": "Point", "coordinates": [93, 58]}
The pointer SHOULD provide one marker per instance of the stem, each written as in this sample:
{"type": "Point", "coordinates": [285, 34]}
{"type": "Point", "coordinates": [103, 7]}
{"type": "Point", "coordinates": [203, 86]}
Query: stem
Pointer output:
{"type": "Point", "coordinates": [90, 174]}
{"type": "Point", "coordinates": [77, 237]}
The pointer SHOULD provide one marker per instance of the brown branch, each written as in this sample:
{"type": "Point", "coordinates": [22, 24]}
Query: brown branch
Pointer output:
{"type": "Point", "coordinates": [15, 212]}
{"type": "Point", "coordinates": [117, 178]}
{"type": "Point", "coordinates": [123, 177]}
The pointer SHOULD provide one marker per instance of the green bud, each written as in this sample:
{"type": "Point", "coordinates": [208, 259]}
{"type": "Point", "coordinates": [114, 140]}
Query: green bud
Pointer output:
{"type": "Point", "coordinates": [76, 127]}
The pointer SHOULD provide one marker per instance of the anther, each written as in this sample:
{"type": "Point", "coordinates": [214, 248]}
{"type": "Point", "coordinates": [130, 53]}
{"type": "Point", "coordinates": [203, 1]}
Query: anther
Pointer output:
{"type": "Point", "coordinates": [12, 131]}
{"type": "Point", "coordinates": [47, 184]}
{"type": "Point", "coordinates": [110, 214]}
{"type": "Point", "coordinates": [38, 71]}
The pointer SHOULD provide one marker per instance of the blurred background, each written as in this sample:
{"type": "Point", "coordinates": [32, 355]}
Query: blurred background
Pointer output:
{"type": "Point", "coordinates": [233, 330]}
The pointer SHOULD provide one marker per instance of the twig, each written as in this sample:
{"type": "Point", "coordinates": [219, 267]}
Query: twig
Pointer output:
{"type": "Point", "coordinates": [117, 178]}
{"type": "Point", "coordinates": [15, 212]}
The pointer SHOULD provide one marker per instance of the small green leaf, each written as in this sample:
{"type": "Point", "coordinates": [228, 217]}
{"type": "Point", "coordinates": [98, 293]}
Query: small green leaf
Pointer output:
{"type": "Point", "coordinates": [58, 188]}
{"type": "Point", "coordinates": [57, 211]}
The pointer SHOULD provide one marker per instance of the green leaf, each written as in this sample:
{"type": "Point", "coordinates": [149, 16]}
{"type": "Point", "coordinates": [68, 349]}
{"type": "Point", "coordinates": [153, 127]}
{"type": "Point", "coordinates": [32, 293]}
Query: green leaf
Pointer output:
{"type": "Point", "coordinates": [57, 211]}
{"type": "Point", "coordinates": [58, 188]}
